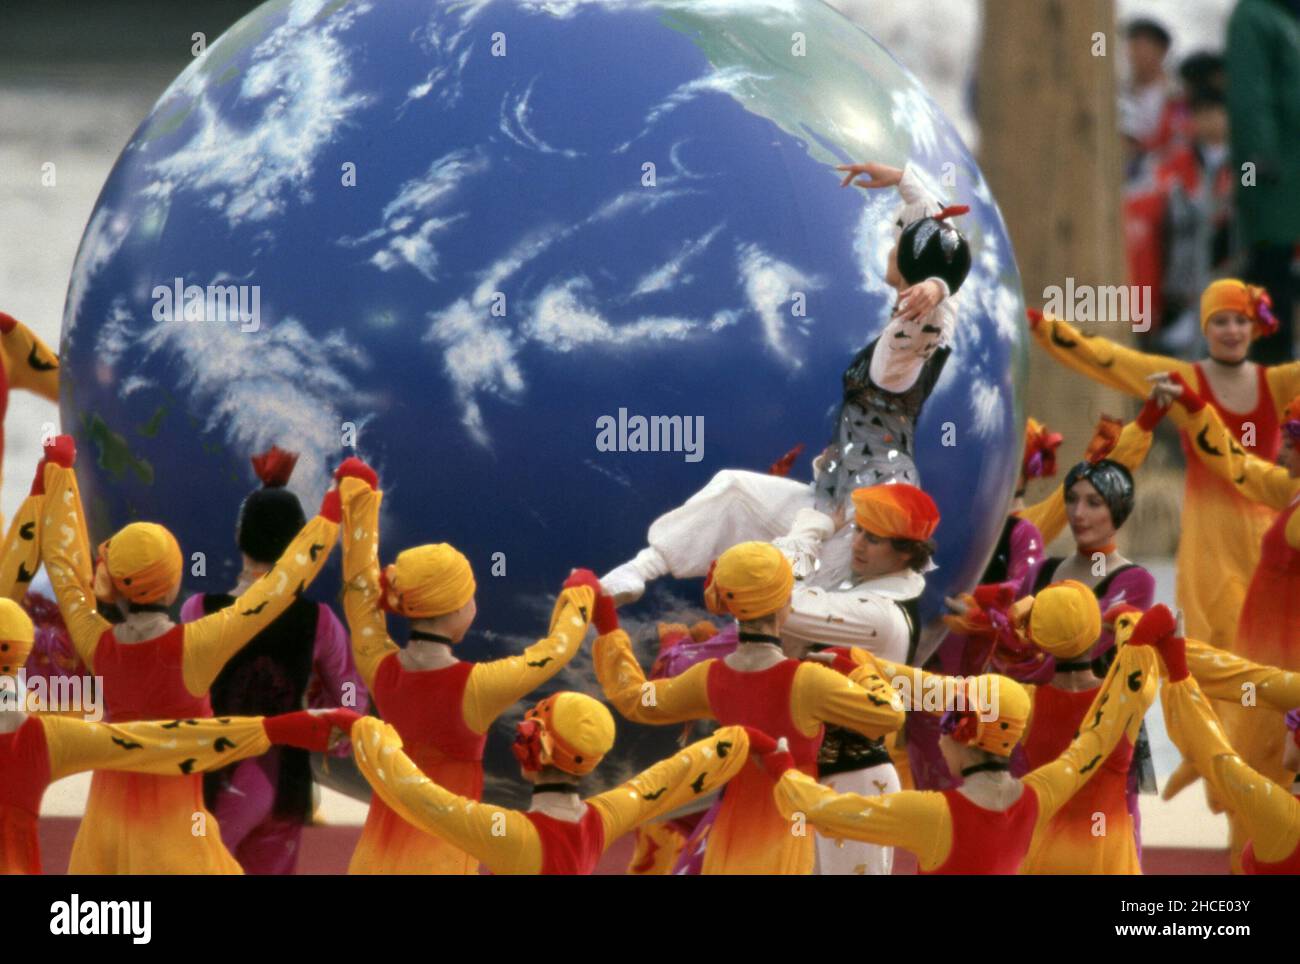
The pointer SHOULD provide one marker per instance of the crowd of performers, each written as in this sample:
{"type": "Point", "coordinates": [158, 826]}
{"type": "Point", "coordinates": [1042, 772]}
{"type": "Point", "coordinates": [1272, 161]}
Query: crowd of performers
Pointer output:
{"type": "Point", "coordinates": [1019, 746]}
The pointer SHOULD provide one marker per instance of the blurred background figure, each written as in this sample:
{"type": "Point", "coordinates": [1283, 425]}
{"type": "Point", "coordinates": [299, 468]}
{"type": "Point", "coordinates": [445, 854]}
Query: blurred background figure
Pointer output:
{"type": "Point", "coordinates": [1194, 181]}
{"type": "Point", "coordinates": [1263, 68]}
{"type": "Point", "coordinates": [1151, 111]}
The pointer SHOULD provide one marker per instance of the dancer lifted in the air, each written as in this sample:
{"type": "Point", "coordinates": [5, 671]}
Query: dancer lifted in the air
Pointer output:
{"type": "Point", "coordinates": [884, 389]}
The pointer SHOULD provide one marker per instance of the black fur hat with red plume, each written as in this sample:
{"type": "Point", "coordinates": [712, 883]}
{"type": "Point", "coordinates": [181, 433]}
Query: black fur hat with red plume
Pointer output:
{"type": "Point", "coordinates": [932, 248]}
{"type": "Point", "coordinates": [272, 515]}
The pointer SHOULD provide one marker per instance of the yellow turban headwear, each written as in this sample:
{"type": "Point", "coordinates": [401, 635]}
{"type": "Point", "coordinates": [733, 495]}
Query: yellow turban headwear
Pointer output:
{"type": "Point", "coordinates": [428, 581]}
{"type": "Point", "coordinates": [1232, 294]}
{"type": "Point", "coordinates": [1065, 620]}
{"type": "Point", "coordinates": [749, 581]}
{"type": "Point", "coordinates": [999, 730]}
{"type": "Point", "coordinates": [16, 637]}
{"type": "Point", "coordinates": [569, 731]}
{"type": "Point", "coordinates": [141, 564]}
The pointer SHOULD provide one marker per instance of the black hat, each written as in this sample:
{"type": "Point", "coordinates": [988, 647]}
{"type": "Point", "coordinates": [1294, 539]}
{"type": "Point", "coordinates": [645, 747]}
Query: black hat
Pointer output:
{"type": "Point", "coordinates": [1113, 482]}
{"type": "Point", "coordinates": [272, 515]}
{"type": "Point", "coordinates": [933, 248]}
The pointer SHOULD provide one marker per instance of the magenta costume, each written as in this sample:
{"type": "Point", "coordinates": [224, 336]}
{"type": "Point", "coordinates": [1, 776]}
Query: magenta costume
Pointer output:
{"type": "Point", "coordinates": [261, 804]}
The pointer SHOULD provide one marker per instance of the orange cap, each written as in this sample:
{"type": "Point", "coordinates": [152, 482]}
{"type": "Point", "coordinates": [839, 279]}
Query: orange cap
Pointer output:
{"type": "Point", "coordinates": [896, 510]}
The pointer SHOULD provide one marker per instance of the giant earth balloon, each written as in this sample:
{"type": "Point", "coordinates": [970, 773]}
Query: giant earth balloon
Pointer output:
{"type": "Point", "coordinates": [464, 233]}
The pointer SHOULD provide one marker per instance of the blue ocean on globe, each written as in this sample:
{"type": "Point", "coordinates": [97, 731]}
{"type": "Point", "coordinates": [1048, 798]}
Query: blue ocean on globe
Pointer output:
{"type": "Point", "coordinates": [473, 229]}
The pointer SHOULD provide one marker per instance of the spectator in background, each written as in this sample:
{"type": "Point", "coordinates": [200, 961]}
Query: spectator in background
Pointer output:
{"type": "Point", "coordinates": [1150, 110]}
{"type": "Point", "coordinates": [1195, 180]}
{"type": "Point", "coordinates": [1263, 63]}
{"type": "Point", "coordinates": [1203, 70]}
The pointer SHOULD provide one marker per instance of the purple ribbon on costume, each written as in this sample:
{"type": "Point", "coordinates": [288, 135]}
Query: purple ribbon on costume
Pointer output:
{"type": "Point", "coordinates": [1293, 720]}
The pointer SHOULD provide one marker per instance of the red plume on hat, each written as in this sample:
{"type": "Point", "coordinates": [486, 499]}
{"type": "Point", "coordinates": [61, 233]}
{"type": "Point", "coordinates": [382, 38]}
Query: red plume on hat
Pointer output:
{"type": "Point", "coordinates": [1040, 451]}
{"type": "Point", "coordinates": [274, 466]}
{"type": "Point", "coordinates": [1104, 439]}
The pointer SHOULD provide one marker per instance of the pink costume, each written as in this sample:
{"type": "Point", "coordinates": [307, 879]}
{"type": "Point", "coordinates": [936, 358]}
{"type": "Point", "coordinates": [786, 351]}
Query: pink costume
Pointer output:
{"type": "Point", "coordinates": [258, 826]}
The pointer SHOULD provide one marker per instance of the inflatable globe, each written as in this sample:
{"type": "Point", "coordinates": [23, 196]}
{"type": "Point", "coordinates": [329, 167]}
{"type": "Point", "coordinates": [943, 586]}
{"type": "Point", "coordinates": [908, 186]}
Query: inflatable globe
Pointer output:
{"type": "Point", "coordinates": [458, 238]}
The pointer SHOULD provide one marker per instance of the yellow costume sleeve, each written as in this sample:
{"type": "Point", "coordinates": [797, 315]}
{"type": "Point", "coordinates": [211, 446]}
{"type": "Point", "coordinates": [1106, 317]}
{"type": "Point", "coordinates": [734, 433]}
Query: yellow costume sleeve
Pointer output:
{"type": "Point", "coordinates": [20, 557]}
{"type": "Point", "coordinates": [1271, 814]}
{"type": "Point", "coordinates": [495, 686]}
{"type": "Point", "coordinates": [916, 820]}
{"type": "Point", "coordinates": [1105, 361]}
{"type": "Point", "coordinates": [866, 703]}
{"type": "Point", "coordinates": [673, 700]}
{"type": "Point", "coordinates": [1225, 676]}
{"type": "Point", "coordinates": [695, 771]}
{"type": "Point", "coordinates": [919, 687]}
{"type": "Point", "coordinates": [366, 623]}
{"type": "Point", "coordinates": [1049, 515]}
{"type": "Point", "coordinates": [29, 363]}
{"type": "Point", "coordinates": [1257, 479]}
{"type": "Point", "coordinates": [1283, 383]}
{"type": "Point", "coordinates": [1116, 712]}
{"type": "Point", "coordinates": [65, 550]}
{"type": "Point", "coordinates": [912, 679]}
{"type": "Point", "coordinates": [165, 748]}
{"type": "Point", "coordinates": [505, 840]}
{"type": "Point", "coordinates": [212, 640]}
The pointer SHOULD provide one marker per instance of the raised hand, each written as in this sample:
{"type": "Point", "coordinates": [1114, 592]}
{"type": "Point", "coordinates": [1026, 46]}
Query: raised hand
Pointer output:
{"type": "Point", "coordinates": [881, 175]}
{"type": "Point", "coordinates": [918, 300]}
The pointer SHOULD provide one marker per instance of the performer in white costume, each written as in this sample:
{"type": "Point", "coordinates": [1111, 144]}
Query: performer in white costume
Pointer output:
{"type": "Point", "coordinates": [875, 608]}
{"type": "Point", "coordinates": [884, 388]}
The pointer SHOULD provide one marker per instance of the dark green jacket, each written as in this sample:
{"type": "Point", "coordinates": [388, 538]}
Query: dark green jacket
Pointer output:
{"type": "Point", "coordinates": [1263, 65]}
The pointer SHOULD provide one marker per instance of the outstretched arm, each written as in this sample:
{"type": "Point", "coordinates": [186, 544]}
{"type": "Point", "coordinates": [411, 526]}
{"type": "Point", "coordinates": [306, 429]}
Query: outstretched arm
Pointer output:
{"type": "Point", "coordinates": [20, 556]}
{"type": "Point", "coordinates": [1215, 447]}
{"type": "Point", "coordinates": [911, 684]}
{"type": "Point", "coordinates": [366, 624]}
{"type": "Point", "coordinates": [671, 700]}
{"type": "Point", "coordinates": [65, 550]}
{"type": "Point", "coordinates": [918, 821]}
{"type": "Point", "coordinates": [1101, 359]}
{"type": "Point", "coordinates": [28, 362]}
{"type": "Point", "coordinates": [172, 747]}
{"type": "Point", "coordinates": [864, 703]}
{"type": "Point", "coordinates": [1116, 714]}
{"type": "Point", "coordinates": [1271, 814]}
{"type": "Point", "coordinates": [212, 640]}
{"type": "Point", "coordinates": [1226, 676]}
{"type": "Point", "coordinates": [688, 774]}
{"type": "Point", "coordinates": [166, 748]}
{"type": "Point", "coordinates": [496, 686]}
{"type": "Point", "coordinates": [505, 840]}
